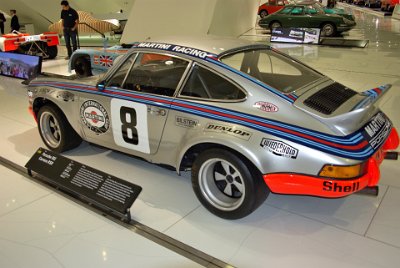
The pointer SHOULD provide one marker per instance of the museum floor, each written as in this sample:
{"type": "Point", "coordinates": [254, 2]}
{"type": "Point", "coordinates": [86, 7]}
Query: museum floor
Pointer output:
{"type": "Point", "coordinates": [40, 227]}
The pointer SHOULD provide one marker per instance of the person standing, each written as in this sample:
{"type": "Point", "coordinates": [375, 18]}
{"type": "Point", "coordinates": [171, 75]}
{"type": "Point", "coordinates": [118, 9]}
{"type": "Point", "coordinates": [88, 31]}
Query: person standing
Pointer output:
{"type": "Point", "coordinates": [2, 20]}
{"type": "Point", "coordinates": [70, 19]}
{"type": "Point", "coordinates": [14, 21]}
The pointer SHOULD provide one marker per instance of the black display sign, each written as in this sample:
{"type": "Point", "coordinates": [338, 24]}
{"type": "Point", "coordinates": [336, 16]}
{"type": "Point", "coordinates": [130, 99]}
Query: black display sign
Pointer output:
{"type": "Point", "coordinates": [93, 184]}
{"type": "Point", "coordinates": [296, 35]}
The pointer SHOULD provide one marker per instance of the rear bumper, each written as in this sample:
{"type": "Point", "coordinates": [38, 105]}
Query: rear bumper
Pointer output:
{"type": "Point", "coordinates": [300, 184]}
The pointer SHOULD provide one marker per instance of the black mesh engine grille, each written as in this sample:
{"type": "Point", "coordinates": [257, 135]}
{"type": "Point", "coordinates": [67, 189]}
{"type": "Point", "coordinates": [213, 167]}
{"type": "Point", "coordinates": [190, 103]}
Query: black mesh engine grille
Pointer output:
{"type": "Point", "coordinates": [328, 99]}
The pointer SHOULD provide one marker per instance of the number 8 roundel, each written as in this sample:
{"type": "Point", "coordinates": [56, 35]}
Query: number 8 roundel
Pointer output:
{"type": "Point", "coordinates": [129, 125]}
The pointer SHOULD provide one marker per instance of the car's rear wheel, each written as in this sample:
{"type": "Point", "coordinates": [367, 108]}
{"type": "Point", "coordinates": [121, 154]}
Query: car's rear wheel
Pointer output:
{"type": "Point", "coordinates": [82, 67]}
{"type": "Point", "coordinates": [274, 25]}
{"type": "Point", "coordinates": [55, 130]}
{"type": "Point", "coordinates": [226, 184]}
{"type": "Point", "coordinates": [52, 52]}
{"type": "Point", "coordinates": [328, 29]}
{"type": "Point", "coordinates": [263, 13]}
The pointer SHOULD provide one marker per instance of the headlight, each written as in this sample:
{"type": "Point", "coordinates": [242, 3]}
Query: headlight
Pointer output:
{"type": "Point", "coordinates": [343, 172]}
{"type": "Point", "coordinates": [347, 21]}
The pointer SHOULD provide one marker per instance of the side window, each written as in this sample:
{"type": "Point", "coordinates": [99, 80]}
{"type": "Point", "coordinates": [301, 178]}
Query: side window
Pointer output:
{"type": "Point", "coordinates": [297, 11]}
{"type": "Point", "coordinates": [156, 74]}
{"type": "Point", "coordinates": [119, 76]}
{"type": "Point", "coordinates": [203, 83]}
{"type": "Point", "coordinates": [286, 10]}
{"type": "Point", "coordinates": [311, 10]}
{"type": "Point", "coordinates": [272, 2]}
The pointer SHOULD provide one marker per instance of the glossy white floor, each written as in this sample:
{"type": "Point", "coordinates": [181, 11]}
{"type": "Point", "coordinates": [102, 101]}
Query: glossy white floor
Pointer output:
{"type": "Point", "coordinates": [41, 228]}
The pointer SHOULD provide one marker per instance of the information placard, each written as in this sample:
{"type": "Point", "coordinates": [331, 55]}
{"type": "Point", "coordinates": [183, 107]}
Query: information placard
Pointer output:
{"type": "Point", "coordinates": [105, 189]}
{"type": "Point", "coordinates": [296, 35]}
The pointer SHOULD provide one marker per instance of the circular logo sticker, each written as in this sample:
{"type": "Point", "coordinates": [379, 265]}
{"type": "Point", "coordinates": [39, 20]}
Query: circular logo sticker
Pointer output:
{"type": "Point", "coordinates": [95, 117]}
{"type": "Point", "coordinates": [266, 106]}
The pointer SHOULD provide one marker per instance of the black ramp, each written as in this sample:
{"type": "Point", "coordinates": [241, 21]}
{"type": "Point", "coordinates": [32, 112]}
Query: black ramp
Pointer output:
{"type": "Point", "coordinates": [340, 42]}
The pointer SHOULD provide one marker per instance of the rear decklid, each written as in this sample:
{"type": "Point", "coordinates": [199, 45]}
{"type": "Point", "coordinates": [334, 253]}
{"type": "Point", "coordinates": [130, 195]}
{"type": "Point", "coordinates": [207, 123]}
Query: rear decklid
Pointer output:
{"type": "Point", "coordinates": [344, 110]}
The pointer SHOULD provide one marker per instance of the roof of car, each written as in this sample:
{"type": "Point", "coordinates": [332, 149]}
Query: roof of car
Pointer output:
{"type": "Point", "coordinates": [212, 44]}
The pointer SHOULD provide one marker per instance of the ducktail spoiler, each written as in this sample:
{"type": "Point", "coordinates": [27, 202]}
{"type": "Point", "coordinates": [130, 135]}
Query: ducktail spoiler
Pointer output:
{"type": "Point", "coordinates": [372, 96]}
{"type": "Point", "coordinates": [361, 112]}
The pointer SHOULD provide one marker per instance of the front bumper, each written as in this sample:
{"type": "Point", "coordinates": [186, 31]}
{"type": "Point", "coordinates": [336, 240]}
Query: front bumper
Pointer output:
{"type": "Point", "coordinates": [301, 184]}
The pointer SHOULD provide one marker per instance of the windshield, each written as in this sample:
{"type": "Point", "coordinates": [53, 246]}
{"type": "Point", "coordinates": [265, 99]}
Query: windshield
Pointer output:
{"type": "Point", "coordinates": [272, 68]}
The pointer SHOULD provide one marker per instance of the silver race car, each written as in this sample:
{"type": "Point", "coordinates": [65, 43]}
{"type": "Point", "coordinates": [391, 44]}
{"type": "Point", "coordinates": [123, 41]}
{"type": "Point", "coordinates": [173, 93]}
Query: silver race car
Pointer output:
{"type": "Point", "coordinates": [243, 117]}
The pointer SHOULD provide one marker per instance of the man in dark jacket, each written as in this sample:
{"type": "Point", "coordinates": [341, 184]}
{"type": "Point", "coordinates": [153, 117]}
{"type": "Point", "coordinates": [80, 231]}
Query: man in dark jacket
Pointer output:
{"type": "Point", "coordinates": [2, 20]}
{"type": "Point", "coordinates": [70, 21]}
{"type": "Point", "coordinates": [14, 21]}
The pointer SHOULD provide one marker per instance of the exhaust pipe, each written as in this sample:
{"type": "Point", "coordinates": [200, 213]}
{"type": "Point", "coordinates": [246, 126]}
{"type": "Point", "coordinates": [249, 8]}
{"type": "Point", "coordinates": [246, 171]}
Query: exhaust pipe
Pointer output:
{"type": "Point", "coordinates": [369, 190]}
{"type": "Point", "coordinates": [392, 155]}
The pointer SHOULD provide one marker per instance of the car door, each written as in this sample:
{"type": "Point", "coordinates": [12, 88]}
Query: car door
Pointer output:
{"type": "Point", "coordinates": [137, 99]}
{"type": "Point", "coordinates": [297, 18]}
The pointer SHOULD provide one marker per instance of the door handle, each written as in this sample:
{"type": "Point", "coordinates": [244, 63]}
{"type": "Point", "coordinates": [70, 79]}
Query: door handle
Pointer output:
{"type": "Point", "coordinates": [156, 111]}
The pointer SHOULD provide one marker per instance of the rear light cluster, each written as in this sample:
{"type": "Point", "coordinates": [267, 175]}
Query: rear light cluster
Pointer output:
{"type": "Point", "coordinates": [343, 172]}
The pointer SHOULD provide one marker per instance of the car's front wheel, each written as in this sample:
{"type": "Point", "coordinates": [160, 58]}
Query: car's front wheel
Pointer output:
{"type": "Point", "coordinates": [226, 184]}
{"type": "Point", "coordinates": [328, 29]}
{"type": "Point", "coordinates": [55, 130]}
{"type": "Point", "coordinates": [274, 25]}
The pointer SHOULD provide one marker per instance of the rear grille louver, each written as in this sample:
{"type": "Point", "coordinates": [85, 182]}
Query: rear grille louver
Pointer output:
{"type": "Point", "coordinates": [328, 99]}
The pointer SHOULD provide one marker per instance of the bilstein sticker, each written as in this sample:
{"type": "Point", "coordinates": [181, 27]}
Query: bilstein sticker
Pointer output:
{"type": "Point", "coordinates": [266, 106]}
{"type": "Point", "coordinates": [185, 122]}
{"type": "Point", "coordinates": [279, 148]}
{"type": "Point", "coordinates": [239, 133]}
{"type": "Point", "coordinates": [95, 117]}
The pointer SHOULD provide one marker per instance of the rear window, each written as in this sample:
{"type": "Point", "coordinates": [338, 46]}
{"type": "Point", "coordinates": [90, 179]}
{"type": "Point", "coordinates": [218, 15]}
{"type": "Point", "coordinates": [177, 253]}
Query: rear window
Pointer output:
{"type": "Point", "coordinates": [272, 68]}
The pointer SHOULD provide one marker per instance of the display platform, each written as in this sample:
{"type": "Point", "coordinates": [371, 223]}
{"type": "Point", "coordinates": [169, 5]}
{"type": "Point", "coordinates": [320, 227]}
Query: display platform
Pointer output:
{"type": "Point", "coordinates": [286, 231]}
{"type": "Point", "coordinates": [341, 42]}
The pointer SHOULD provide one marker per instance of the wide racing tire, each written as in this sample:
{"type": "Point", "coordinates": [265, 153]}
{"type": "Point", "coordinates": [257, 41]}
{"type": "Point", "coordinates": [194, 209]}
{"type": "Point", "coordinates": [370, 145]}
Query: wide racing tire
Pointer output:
{"type": "Point", "coordinates": [227, 185]}
{"type": "Point", "coordinates": [55, 130]}
{"type": "Point", "coordinates": [82, 67]}
{"type": "Point", "coordinates": [52, 51]}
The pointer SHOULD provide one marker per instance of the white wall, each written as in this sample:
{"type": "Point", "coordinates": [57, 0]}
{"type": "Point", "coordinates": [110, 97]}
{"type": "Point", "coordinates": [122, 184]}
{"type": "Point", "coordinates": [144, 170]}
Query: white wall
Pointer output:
{"type": "Point", "coordinates": [42, 13]}
{"type": "Point", "coordinates": [151, 18]}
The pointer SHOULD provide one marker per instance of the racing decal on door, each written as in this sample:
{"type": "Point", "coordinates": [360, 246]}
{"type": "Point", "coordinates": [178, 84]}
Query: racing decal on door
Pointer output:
{"type": "Point", "coordinates": [95, 116]}
{"type": "Point", "coordinates": [129, 125]}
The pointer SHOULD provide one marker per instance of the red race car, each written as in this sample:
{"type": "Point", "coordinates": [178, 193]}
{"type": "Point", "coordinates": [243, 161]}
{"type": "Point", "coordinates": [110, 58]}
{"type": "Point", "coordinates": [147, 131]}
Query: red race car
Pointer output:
{"type": "Point", "coordinates": [271, 6]}
{"type": "Point", "coordinates": [44, 44]}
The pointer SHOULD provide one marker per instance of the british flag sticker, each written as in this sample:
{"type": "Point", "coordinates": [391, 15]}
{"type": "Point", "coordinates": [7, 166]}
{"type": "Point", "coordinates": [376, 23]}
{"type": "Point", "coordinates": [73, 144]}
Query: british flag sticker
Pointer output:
{"type": "Point", "coordinates": [103, 60]}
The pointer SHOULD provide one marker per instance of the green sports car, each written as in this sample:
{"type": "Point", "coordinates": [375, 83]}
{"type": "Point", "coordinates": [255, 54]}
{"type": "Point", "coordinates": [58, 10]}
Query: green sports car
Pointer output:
{"type": "Point", "coordinates": [302, 15]}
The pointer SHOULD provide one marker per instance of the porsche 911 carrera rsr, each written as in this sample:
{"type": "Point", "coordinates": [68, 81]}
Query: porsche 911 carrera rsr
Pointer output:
{"type": "Point", "coordinates": [243, 117]}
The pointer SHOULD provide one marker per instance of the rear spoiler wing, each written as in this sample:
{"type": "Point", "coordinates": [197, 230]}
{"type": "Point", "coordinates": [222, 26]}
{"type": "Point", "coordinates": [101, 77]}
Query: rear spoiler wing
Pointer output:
{"type": "Point", "coordinates": [372, 96]}
{"type": "Point", "coordinates": [359, 112]}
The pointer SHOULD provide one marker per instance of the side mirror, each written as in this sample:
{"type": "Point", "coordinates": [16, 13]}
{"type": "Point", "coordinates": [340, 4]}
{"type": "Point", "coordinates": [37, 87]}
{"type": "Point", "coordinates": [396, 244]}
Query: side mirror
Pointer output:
{"type": "Point", "coordinates": [101, 86]}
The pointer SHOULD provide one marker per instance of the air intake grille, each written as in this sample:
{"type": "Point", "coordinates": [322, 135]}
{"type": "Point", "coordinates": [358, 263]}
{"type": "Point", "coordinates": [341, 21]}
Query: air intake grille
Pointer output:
{"type": "Point", "coordinates": [328, 99]}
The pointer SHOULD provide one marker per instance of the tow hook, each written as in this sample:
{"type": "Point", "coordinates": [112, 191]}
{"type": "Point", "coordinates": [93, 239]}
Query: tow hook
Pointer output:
{"type": "Point", "coordinates": [369, 190]}
{"type": "Point", "coordinates": [392, 155]}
